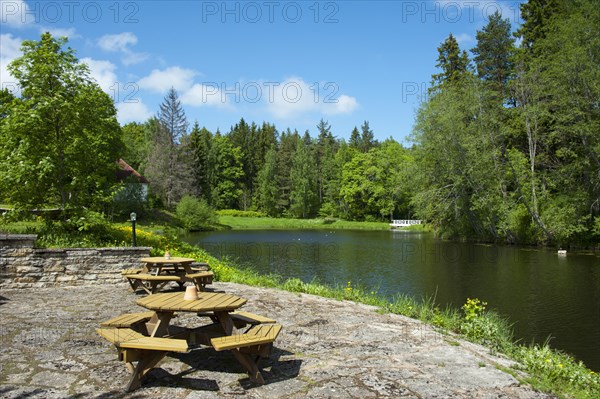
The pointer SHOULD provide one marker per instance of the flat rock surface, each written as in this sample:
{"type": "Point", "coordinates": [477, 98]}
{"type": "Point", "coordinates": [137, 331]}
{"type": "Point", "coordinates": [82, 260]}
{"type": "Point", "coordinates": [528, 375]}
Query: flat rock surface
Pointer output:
{"type": "Point", "coordinates": [327, 349]}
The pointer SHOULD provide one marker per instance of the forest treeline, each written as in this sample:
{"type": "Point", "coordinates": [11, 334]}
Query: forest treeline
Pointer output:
{"type": "Point", "coordinates": [505, 146]}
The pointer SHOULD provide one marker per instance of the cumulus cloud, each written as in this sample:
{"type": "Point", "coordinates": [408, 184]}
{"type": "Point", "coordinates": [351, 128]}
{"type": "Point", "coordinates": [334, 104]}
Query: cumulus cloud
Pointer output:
{"type": "Point", "coordinates": [294, 97]}
{"type": "Point", "coordinates": [206, 94]}
{"type": "Point", "coordinates": [132, 112]}
{"type": "Point", "coordinates": [15, 13]}
{"type": "Point", "coordinates": [103, 72]}
{"type": "Point", "coordinates": [9, 50]}
{"type": "Point", "coordinates": [121, 43]}
{"type": "Point", "coordinates": [161, 81]}
{"type": "Point", "coordinates": [60, 32]}
{"type": "Point", "coordinates": [344, 105]}
{"type": "Point", "coordinates": [464, 38]}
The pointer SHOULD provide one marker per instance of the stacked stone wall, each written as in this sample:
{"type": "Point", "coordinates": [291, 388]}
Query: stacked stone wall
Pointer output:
{"type": "Point", "coordinates": [24, 266]}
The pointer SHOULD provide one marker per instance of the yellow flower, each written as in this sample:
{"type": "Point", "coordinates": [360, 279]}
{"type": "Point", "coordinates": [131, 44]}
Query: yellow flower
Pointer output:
{"type": "Point", "coordinates": [560, 365]}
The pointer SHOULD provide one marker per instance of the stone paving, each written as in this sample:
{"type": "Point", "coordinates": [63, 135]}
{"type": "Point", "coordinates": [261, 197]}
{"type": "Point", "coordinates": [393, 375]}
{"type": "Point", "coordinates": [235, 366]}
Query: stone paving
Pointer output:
{"type": "Point", "coordinates": [327, 349]}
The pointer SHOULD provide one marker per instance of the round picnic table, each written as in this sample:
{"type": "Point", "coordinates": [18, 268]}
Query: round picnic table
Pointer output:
{"type": "Point", "coordinates": [166, 304]}
{"type": "Point", "coordinates": [159, 262]}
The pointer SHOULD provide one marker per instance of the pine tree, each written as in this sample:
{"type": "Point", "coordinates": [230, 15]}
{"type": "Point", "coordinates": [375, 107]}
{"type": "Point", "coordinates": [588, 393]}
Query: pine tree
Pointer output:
{"type": "Point", "coordinates": [268, 191]}
{"type": "Point", "coordinates": [355, 140]}
{"type": "Point", "coordinates": [367, 139]}
{"type": "Point", "coordinates": [453, 63]}
{"type": "Point", "coordinates": [170, 165]}
{"type": "Point", "coordinates": [494, 52]}
{"type": "Point", "coordinates": [202, 143]}
{"type": "Point", "coordinates": [303, 181]}
{"type": "Point", "coordinates": [172, 116]}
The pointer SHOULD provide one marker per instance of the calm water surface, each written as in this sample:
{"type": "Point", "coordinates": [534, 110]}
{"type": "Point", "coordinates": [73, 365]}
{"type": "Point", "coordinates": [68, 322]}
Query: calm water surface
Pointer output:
{"type": "Point", "coordinates": [544, 295]}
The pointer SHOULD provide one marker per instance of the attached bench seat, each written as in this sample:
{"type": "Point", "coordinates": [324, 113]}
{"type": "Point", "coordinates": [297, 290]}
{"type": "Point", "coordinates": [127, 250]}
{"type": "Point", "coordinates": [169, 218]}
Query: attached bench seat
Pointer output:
{"type": "Point", "coordinates": [134, 321]}
{"type": "Point", "coordinates": [136, 347]}
{"type": "Point", "coordinates": [257, 335]}
{"type": "Point", "coordinates": [151, 283]}
{"type": "Point", "coordinates": [129, 339]}
{"type": "Point", "coordinates": [132, 271]}
{"type": "Point", "coordinates": [258, 341]}
{"type": "Point", "coordinates": [241, 319]}
{"type": "Point", "coordinates": [152, 277]}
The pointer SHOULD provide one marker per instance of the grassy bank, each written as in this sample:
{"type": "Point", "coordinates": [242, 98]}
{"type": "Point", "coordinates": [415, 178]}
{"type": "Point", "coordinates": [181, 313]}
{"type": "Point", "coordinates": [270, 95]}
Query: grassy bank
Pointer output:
{"type": "Point", "coordinates": [261, 223]}
{"type": "Point", "coordinates": [547, 369]}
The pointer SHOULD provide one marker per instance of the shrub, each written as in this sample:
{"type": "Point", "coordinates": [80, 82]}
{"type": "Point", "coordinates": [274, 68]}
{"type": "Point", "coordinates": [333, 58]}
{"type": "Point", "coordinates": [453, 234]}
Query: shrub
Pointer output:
{"type": "Point", "coordinates": [195, 214]}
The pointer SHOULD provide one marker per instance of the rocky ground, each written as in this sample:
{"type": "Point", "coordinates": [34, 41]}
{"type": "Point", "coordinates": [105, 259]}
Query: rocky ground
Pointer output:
{"type": "Point", "coordinates": [327, 349]}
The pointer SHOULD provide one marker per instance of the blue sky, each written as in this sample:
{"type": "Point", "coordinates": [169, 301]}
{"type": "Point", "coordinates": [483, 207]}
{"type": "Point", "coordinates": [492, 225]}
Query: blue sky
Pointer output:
{"type": "Point", "coordinates": [290, 63]}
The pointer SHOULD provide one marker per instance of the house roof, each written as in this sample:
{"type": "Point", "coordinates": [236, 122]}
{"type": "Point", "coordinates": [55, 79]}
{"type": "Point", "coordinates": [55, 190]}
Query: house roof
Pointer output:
{"type": "Point", "coordinates": [125, 171]}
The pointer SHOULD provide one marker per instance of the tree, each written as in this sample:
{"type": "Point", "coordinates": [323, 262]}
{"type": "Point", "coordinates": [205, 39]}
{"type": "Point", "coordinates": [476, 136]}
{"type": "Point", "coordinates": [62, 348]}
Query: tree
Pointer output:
{"type": "Point", "coordinates": [60, 143]}
{"type": "Point", "coordinates": [201, 140]}
{"type": "Point", "coordinates": [355, 139]}
{"type": "Point", "coordinates": [268, 190]}
{"type": "Point", "coordinates": [453, 63]}
{"type": "Point", "coordinates": [367, 139]}
{"type": "Point", "coordinates": [494, 53]}
{"type": "Point", "coordinates": [172, 117]}
{"type": "Point", "coordinates": [170, 160]}
{"type": "Point", "coordinates": [303, 182]}
{"type": "Point", "coordinates": [227, 175]}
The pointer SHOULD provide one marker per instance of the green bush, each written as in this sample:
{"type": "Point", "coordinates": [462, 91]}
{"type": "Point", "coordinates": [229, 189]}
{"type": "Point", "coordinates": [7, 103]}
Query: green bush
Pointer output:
{"type": "Point", "coordinates": [195, 214]}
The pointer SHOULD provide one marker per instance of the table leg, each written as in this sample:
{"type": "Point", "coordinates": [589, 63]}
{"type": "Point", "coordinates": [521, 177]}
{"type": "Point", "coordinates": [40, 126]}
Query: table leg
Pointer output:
{"type": "Point", "coordinates": [158, 325]}
{"type": "Point", "coordinates": [250, 365]}
{"type": "Point", "coordinates": [148, 360]}
{"type": "Point", "coordinates": [225, 321]}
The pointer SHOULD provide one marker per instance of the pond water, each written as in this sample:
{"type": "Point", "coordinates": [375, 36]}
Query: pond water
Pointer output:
{"type": "Point", "coordinates": [543, 294]}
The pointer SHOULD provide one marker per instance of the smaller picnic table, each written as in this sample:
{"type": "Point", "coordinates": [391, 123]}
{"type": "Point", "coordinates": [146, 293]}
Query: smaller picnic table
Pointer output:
{"type": "Point", "coordinates": [159, 271]}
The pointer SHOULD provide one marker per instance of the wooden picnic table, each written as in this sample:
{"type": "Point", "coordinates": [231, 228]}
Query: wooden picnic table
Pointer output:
{"type": "Point", "coordinates": [147, 337]}
{"type": "Point", "coordinates": [159, 271]}
{"type": "Point", "coordinates": [172, 265]}
{"type": "Point", "coordinates": [210, 303]}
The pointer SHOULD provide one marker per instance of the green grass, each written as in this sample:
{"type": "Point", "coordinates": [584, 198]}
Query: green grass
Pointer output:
{"type": "Point", "coordinates": [258, 223]}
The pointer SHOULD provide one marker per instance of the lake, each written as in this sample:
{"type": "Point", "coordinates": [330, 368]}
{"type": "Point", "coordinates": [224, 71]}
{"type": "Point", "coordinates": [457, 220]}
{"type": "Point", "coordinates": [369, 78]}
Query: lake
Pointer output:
{"type": "Point", "coordinates": [543, 294]}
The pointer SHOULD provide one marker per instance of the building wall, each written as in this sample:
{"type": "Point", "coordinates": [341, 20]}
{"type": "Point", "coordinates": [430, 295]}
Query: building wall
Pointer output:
{"type": "Point", "coordinates": [23, 266]}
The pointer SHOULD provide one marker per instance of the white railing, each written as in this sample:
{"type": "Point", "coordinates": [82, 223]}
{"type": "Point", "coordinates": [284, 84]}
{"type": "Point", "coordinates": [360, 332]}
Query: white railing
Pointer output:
{"type": "Point", "coordinates": [404, 223]}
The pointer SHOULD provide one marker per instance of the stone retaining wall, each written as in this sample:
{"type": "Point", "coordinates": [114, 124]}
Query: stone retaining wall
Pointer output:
{"type": "Point", "coordinates": [23, 266]}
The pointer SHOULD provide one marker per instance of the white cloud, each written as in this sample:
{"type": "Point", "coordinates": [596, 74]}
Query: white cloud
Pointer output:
{"type": "Point", "coordinates": [121, 43]}
{"type": "Point", "coordinates": [464, 38]}
{"type": "Point", "coordinates": [344, 105]}
{"type": "Point", "coordinates": [103, 72]}
{"type": "Point", "coordinates": [60, 32]}
{"type": "Point", "coordinates": [162, 80]}
{"type": "Point", "coordinates": [15, 13]}
{"type": "Point", "coordinates": [132, 112]}
{"type": "Point", "coordinates": [117, 43]}
{"type": "Point", "coordinates": [208, 94]}
{"type": "Point", "coordinates": [9, 50]}
{"type": "Point", "coordinates": [294, 97]}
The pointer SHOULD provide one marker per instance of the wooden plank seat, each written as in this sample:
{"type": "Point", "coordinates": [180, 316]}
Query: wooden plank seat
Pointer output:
{"type": "Point", "coordinates": [135, 321]}
{"type": "Point", "coordinates": [151, 283]}
{"type": "Point", "coordinates": [146, 351]}
{"type": "Point", "coordinates": [132, 271]}
{"type": "Point", "coordinates": [241, 319]}
{"type": "Point", "coordinates": [201, 279]}
{"type": "Point", "coordinates": [257, 341]}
